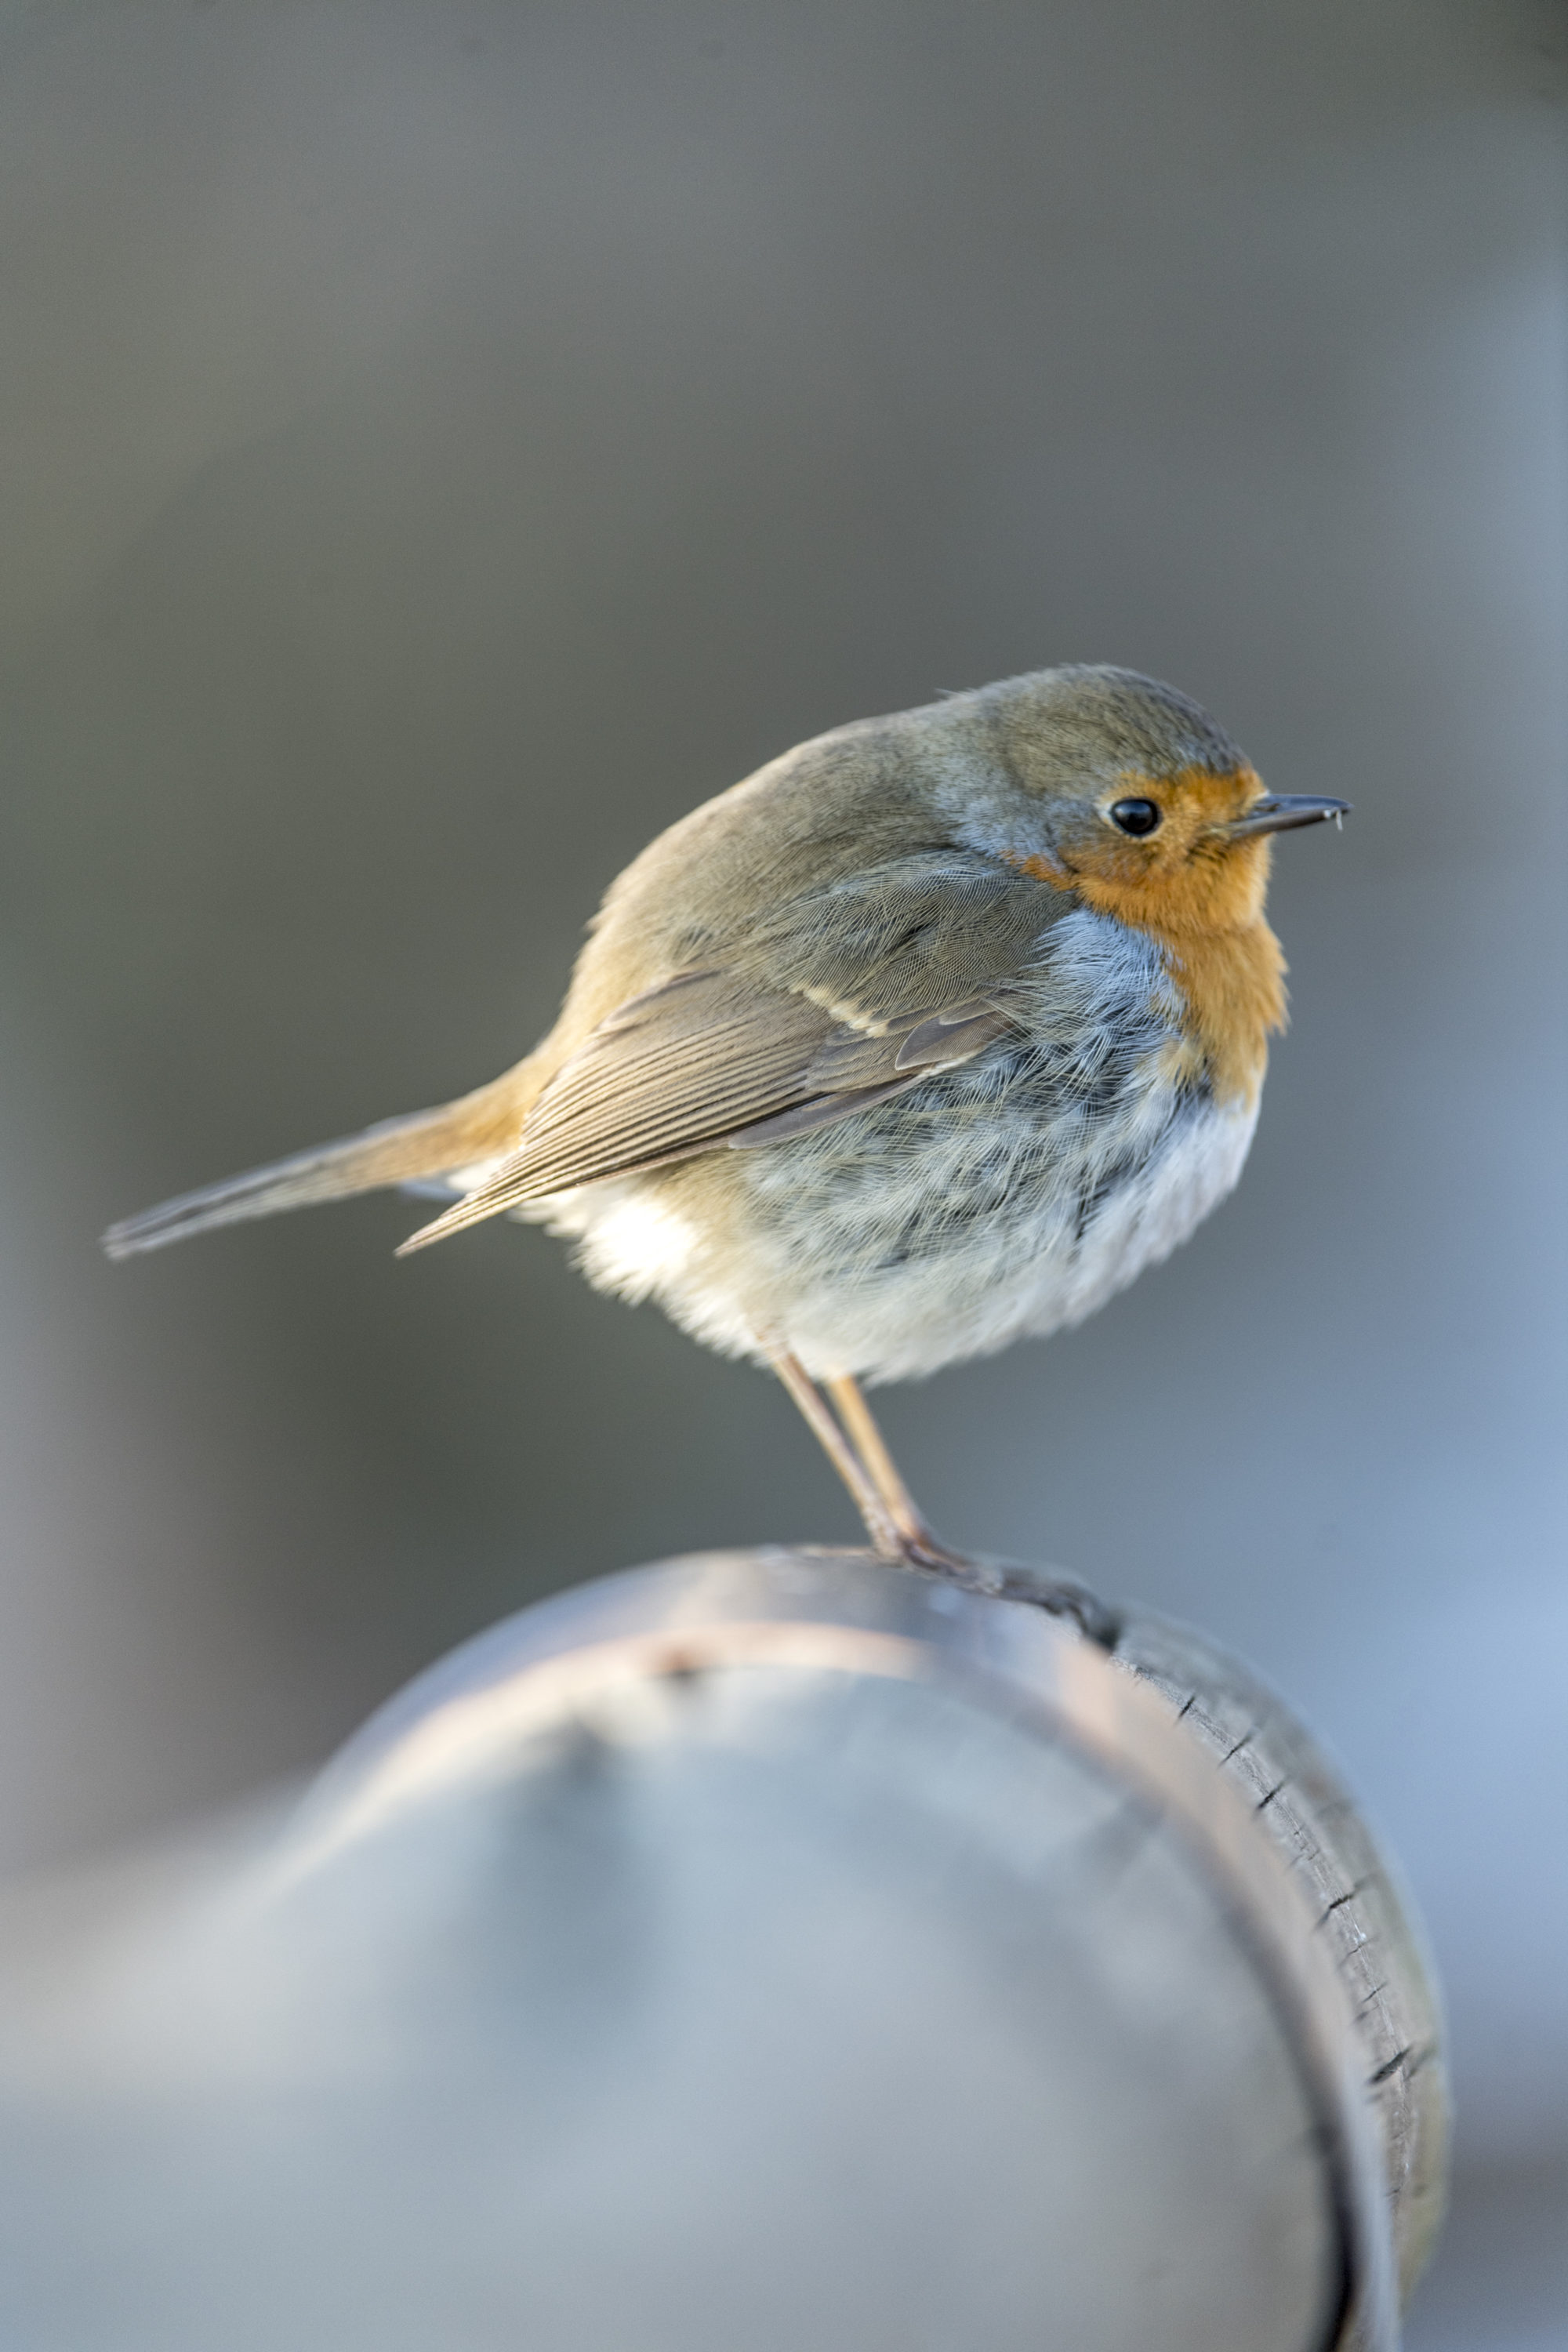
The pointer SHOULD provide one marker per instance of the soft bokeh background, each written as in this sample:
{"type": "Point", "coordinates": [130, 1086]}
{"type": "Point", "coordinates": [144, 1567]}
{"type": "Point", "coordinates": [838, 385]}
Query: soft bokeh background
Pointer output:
{"type": "Point", "coordinates": [444, 442]}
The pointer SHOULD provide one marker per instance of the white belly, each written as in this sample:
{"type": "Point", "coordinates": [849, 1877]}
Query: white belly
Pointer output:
{"type": "Point", "coordinates": [1024, 1277]}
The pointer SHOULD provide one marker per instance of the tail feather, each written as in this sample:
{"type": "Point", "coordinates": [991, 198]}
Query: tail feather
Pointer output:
{"type": "Point", "coordinates": [422, 1146]}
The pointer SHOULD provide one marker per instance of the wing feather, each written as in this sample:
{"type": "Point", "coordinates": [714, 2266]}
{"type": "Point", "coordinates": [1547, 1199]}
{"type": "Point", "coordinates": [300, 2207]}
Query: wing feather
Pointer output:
{"type": "Point", "coordinates": [770, 1043]}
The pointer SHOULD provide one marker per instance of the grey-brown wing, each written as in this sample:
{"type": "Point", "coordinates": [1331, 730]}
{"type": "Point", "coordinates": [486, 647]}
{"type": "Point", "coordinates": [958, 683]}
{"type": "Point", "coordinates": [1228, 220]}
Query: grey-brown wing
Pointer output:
{"type": "Point", "coordinates": [706, 1061]}
{"type": "Point", "coordinates": [825, 1002]}
{"type": "Point", "coordinates": [930, 929]}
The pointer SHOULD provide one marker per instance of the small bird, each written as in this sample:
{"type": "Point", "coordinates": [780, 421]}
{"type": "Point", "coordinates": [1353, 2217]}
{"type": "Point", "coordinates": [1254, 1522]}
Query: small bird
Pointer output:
{"type": "Point", "coordinates": [927, 1037]}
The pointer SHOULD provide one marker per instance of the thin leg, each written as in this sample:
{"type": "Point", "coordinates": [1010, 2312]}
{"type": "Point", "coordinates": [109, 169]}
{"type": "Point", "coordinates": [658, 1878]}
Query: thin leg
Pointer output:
{"type": "Point", "coordinates": [858, 1452]}
{"type": "Point", "coordinates": [880, 1523]}
{"type": "Point", "coordinates": [872, 1446]}
{"type": "Point", "coordinates": [916, 1542]}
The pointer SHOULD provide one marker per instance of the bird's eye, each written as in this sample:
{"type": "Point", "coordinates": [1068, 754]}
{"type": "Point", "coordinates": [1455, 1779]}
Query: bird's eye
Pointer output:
{"type": "Point", "coordinates": [1135, 816]}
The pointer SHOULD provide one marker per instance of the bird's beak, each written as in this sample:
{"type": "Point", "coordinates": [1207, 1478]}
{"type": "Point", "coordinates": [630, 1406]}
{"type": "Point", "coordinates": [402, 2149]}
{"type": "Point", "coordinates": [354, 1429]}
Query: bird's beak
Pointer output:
{"type": "Point", "coordinates": [1283, 812]}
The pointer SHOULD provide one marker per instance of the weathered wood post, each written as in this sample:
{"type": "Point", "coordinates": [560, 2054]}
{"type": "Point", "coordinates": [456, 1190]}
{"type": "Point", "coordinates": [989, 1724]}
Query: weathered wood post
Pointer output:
{"type": "Point", "coordinates": [782, 1950]}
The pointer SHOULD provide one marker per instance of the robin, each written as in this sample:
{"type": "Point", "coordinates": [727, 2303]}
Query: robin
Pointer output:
{"type": "Point", "coordinates": [927, 1037]}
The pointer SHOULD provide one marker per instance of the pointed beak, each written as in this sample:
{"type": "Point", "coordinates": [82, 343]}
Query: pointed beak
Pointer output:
{"type": "Point", "coordinates": [1284, 811]}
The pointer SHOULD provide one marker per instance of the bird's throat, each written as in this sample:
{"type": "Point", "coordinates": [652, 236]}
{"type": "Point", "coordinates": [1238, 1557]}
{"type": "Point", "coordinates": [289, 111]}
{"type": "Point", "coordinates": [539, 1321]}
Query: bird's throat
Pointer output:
{"type": "Point", "coordinates": [1232, 988]}
{"type": "Point", "coordinates": [1225, 964]}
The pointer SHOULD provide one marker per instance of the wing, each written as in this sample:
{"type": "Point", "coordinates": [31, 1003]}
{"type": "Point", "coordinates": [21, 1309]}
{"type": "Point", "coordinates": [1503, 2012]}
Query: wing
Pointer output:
{"type": "Point", "coordinates": [831, 1003]}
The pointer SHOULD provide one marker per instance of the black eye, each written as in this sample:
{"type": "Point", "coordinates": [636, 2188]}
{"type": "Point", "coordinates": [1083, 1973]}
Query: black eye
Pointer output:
{"type": "Point", "coordinates": [1135, 816]}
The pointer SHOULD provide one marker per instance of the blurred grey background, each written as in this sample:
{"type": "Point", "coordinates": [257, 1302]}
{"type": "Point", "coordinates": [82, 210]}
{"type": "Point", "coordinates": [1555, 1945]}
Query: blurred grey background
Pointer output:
{"type": "Point", "coordinates": [442, 442]}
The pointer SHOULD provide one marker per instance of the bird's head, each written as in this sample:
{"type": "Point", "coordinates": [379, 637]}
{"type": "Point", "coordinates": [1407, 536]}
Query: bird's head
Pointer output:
{"type": "Point", "coordinates": [1122, 792]}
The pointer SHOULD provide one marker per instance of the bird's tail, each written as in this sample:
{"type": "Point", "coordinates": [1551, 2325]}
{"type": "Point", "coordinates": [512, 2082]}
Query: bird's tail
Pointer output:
{"type": "Point", "coordinates": [425, 1144]}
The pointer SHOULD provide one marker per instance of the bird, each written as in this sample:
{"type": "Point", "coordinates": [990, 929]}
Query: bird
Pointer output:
{"type": "Point", "coordinates": [928, 1036]}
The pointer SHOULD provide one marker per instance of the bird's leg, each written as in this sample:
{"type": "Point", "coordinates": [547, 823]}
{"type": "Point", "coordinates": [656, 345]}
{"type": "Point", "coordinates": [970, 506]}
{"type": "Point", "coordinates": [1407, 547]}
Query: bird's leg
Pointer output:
{"type": "Point", "coordinates": [871, 1447]}
{"type": "Point", "coordinates": [917, 1544]}
{"type": "Point", "coordinates": [859, 1453]}
{"type": "Point", "coordinates": [880, 1525]}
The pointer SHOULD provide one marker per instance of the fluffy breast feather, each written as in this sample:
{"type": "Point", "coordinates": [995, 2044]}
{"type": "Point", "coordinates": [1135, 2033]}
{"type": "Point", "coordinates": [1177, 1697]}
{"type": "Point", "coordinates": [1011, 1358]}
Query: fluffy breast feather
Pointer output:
{"type": "Point", "coordinates": [998, 1201]}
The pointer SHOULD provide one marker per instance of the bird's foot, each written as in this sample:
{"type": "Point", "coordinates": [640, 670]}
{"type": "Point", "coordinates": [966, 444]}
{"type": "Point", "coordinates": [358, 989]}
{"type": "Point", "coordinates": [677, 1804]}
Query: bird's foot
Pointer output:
{"type": "Point", "coordinates": [920, 1550]}
{"type": "Point", "coordinates": [917, 1548]}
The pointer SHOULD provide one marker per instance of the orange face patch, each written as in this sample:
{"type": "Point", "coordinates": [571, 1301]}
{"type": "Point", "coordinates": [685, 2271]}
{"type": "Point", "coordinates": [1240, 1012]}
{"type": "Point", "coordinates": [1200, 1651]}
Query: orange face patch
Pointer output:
{"type": "Point", "coordinates": [1201, 894]}
{"type": "Point", "coordinates": [1187, 874]}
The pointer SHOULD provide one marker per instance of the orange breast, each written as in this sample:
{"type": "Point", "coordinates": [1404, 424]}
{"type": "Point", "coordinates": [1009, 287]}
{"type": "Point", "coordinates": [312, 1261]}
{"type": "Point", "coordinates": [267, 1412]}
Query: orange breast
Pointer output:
{"type": "Point", "coordinates": [1232, 987]}
{"type": "Point", "coordinates": [1226, 965]}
